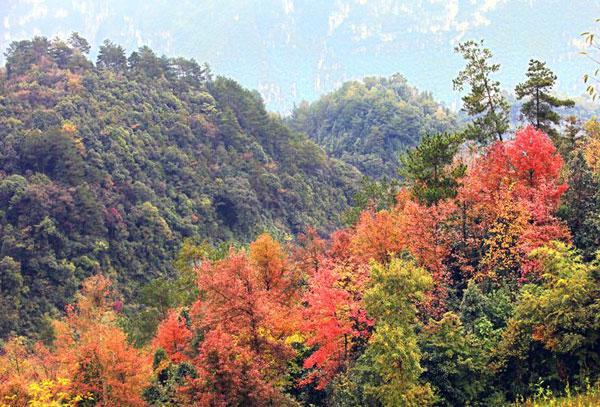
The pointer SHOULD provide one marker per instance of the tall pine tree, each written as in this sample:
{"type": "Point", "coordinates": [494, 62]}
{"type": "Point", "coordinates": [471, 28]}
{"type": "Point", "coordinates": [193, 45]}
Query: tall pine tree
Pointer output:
{"type": "Point", "coordinates": [485, 102]}
{"type": "Point", "coordinates": [428, 167]}
{"type": "Point", "coordinates": [539, 104]}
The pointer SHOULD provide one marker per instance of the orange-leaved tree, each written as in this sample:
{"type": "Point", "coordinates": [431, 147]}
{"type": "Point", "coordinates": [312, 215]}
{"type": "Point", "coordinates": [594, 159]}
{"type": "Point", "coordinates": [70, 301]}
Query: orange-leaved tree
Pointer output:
{"type": "Point", "coordinates": [92, 351]}
{"type": "Point", "coordinates": [238, 329]}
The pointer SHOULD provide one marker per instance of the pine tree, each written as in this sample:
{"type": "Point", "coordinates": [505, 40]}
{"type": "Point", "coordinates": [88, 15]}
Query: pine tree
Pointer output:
{"type": "Point", "coordinates": [428, 167]}
{"type": "Point", "coordinates": [582, 206]}
{"type": "Point", "coordinates": [485, 102]}
{"type": "Point", "coordinates": [538, 108]}
{"type": "Point", "coordinates": [111, 56]}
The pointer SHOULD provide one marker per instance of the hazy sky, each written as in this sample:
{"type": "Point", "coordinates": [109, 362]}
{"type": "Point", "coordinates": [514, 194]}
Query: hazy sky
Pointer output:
{"type": "Point", "coordinates": [292, 50]}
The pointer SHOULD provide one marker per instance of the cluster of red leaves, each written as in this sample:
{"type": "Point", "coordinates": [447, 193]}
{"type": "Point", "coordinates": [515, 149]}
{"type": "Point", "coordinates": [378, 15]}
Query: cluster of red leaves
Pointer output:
{"type": "Point", "coordinates": [504, 209]}
{"type": "Point", "coordinates": [525, 172]}
{"type": "Point", "coordinates": [173, 336]}
{"type": "Point", "coordinates": [245, 313]}
{"type": "Point", "coordinates": [334, 321]}
{"type": "Point", "coordinates": [237, 334]}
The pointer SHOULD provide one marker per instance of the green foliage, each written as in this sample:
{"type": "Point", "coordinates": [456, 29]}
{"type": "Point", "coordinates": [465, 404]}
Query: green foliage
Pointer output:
{"type": "Point", "coordinates": [155, 299]}
{"type": "Point", "coordinates": [555, 321]}
{"type": "Point", "coordinates": [354, 387]}
{"type": "Point", "coordinates": [392, 354]}
{"type": "Point", "coordinates": [375, 194]}
{"type": "Point", "coordinates": [167, 378]}
{"type": "Point", "coordinates": [539, 104]}
{"type": "Point", "coordinates": [581, 206]}
{"type": "Point", "coordinates": [588, 395]}
{"type": "Point", "coordinates": [111, 56]}
{"type": "Point", "coordinates": [12, 290]}
{"type": "Point", "coordinates": [567, 140]}
{"type": "Point", "coordinates": [481, 312]}
{"type": "Point", "coordinates": [53, 153]}
{"type": "Point", "coordinates": [455, 363]}
{"type": "Point", "coordinates": [369, 123]}
{"type": "Point", "coordinates": [111, 167]}
{"type": "Point", "coordinates": [485, 102]}
{"type": "Point", "coordinates": [428, 167]}
{"type": "Point", "coordinates": [145, 167]}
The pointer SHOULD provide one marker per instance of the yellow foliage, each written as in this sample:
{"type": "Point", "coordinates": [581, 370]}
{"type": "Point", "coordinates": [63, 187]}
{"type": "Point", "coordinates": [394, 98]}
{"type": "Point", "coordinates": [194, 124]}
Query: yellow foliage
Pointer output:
{"type": "Point", "coordinates": [48, 393]}
{"type": "Point", "coordinates": [69, 127]}
{"type": "Point", "coordinates": [74, 81]}
{"type": "Point", "coordinates": [591, 153]}
{"type": "Point", "coordinates": [294, 338]}
{"type": "Point", "coordinates": [503, 253]}
{"type": "Point", "coordinates": [591, 150]}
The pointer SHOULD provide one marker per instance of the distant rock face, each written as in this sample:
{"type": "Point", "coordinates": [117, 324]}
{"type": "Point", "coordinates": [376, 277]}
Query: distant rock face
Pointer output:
{"type": "Point", "coordinates": [293, 50]}
{"type": "Point", "coordinates": [369, 123]}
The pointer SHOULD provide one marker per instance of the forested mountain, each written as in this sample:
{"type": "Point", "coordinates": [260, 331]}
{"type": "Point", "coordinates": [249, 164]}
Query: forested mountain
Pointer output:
{"type": "Point", "coordinates": [109, 167]}
{"type": "Point", "coordinates": [369, 123]}
{"type": "Point", "coordinates": [181, 210]}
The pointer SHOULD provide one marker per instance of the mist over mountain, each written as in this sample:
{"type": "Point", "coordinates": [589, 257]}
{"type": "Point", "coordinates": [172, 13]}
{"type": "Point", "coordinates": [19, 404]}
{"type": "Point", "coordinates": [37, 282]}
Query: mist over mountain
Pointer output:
{"type": "Point", "coordinates": [293, 203]}
{"type": "Point", "coordinates": [294, 50]}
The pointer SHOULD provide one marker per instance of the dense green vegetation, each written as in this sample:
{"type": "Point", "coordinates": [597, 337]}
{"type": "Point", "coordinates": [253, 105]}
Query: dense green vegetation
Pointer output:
{"type": "Point", "coordinates": [369, 123]}
{"type": "Point", "coordinates": [110, 167]}
{"type": "Point", "coordinates": [470, 278]}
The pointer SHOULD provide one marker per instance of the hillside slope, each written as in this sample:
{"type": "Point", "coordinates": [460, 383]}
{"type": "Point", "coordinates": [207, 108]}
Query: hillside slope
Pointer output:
{"type": "Point", "coordinates": [369, 123]}
{"type": "Point", "coordinates": [110, 167]}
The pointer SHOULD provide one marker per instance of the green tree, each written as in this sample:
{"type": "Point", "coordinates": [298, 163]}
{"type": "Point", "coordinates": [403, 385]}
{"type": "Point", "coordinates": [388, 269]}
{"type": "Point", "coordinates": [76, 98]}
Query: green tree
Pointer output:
{"type": "Point", "coordinates": [107, 168]}
{"type": "Point", "coordinates": [168, 377]}
{"type": "Point", "coordinates": [54, 153]}
{"type": "Point", "coordinates": [428, 167]}
{"type": "Point", "coordinates": [61, 53]}
{"type": "Point", "coordinates": [21, 55]}
{"type": "Point", "coordinates": [111, 56]}
{"type": "Point", "coordinates": [455, 363]}
{"type": "Point", "coordinates": [554, 333]}
{"type": "Point", "coordinates": [581, 205]}
{"type": "Point", "coordinates": [485, 101]}
{"type": "Point", "coordinates": [538, 108]}
{"type": "Point", "coordinates": [369, 123]}
{"type": "Point", "coordinates": [12, 290]}
{"type": "Point", "coordinates": [78, 43]}
{"type": "Point", "coordinates": [377, 194]}
{"type": "Point", "coordinates": [569, 139]}
{"type": "Point", "coordinates": [145, 61]}
{"type": "Point", "coordinates": [393, 354]}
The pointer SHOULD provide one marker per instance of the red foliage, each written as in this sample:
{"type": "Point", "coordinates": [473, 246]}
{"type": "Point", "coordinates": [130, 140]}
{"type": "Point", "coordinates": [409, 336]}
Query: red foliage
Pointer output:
{"type": "Point", "coordinates": [334, 320]}
{"type": "Point", "coordinates": [526, 171]}
{"type": "Point", "coordinates": [174, 337]}
{"type": "Point", "coordinates": [246, 310]}
{"type": "Point", "coordinates": [309, 251]}
{"type": "Point", "coordinates": [229, 374]}
{"type": "Point", "coordinates": [429, 240]}
{"type": "Point", "coordinates": [377, 236]}
{"type": "Point", "coordinates": [533, 158]}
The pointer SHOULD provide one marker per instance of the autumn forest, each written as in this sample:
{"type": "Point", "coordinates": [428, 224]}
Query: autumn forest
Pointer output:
{"type": "Point", "coordinates": [168, 241]}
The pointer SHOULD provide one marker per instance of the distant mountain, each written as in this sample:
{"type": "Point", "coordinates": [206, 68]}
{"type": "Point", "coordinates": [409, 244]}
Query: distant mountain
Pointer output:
{"type": "Point", "coordinates": [111, 168]}
{"type": "Point", "coordinates": [369, 123]}
{"type": "Point", "coordinates": [292, 50]}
